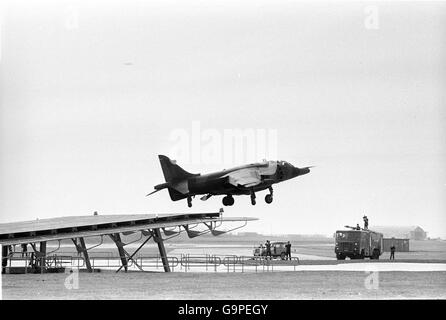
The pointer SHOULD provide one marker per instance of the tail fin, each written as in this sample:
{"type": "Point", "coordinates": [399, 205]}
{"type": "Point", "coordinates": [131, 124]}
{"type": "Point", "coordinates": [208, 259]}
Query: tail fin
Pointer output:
{"type": "Point", "coordinates": [172, 171]}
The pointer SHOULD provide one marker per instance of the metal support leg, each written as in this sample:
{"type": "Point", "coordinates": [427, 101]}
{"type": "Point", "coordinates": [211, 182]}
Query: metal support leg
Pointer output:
{"type": "Point", "coordinates": [117, 239]}
{"type": "Point", "coordinates": [160, 242]}
{"type": "Point", "coordinates": [4, 258]}
{"type": "Point", "coordinates": [43, 250]}
{"type": "Point", "coordinates": [42, 260]}
{"type": "Point", "coordinates": [78, 249]}
{"type": "Point", "coordinates": [136, 251]}
{"type": "Point", "coordinates": [85, 252]}
{"type": "Point", "coordinates": [33, 258]}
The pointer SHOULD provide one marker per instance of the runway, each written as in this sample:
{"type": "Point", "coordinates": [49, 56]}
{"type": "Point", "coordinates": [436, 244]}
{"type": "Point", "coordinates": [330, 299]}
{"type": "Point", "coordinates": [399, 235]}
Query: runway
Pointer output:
{"type": "Point", "coordinates": [376, 267]}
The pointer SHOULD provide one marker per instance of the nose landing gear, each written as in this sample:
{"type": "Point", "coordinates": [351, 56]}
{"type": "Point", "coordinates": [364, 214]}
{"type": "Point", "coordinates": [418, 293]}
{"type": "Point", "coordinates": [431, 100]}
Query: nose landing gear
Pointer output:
{"type": "Point", "coordinates": [269, 197]}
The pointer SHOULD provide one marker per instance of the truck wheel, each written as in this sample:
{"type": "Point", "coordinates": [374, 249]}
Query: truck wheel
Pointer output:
{"type": "Point", "coordinates": [282, 256]}
{"type": "Point", "coordinates": [340, 257]}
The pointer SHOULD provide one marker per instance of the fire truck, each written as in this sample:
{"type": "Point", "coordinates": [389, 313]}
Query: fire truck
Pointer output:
{"type": "Point", "coordinates": [358, 244]}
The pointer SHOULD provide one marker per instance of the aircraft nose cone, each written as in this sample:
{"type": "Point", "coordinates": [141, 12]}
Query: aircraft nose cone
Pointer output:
{"type": "Point", "coordinates": [295, 171]}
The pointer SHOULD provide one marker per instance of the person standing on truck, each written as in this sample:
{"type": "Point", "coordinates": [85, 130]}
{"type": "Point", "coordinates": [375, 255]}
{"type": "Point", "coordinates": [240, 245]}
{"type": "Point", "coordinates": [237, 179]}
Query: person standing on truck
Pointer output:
{"type": "Point", "coordinates": [392, 252]}
{"type": "Point", "coordinates": [268, 249]}
{"type": "Point", "coordinates": [366, 222]}
{"type": "Point", "coordinates": [288, 250]}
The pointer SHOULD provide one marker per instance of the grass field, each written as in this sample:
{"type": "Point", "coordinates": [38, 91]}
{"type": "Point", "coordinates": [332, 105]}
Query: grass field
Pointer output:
{"type": "Point", "coordinates": [280, 285]}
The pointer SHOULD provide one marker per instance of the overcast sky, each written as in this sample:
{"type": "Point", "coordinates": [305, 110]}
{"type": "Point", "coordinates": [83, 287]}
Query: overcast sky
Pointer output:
{"type": "Point", "coordinates": [91, 92]}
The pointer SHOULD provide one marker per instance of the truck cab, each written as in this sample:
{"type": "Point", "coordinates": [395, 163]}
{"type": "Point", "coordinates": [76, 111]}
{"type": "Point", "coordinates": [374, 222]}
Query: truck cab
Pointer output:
{"type": "Point", "coordinates": [358, 244]}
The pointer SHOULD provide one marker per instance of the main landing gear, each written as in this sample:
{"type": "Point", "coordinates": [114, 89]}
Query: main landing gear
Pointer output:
{"type": "Point", "coordinates": [269, 197]}
{"type": "Point", "coordinates": [228, 200]}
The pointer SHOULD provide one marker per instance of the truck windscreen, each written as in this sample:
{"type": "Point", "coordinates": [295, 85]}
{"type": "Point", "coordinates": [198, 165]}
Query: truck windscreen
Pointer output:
{"type": "Point", "coordinates": [347, 236]}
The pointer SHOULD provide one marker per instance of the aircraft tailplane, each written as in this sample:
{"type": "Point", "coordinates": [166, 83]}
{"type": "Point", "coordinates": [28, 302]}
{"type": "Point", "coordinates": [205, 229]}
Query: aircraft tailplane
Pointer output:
{"type": "Point", "coordinates": [175, 195]}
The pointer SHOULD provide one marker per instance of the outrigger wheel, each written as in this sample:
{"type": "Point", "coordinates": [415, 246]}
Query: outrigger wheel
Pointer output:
{"type": "Point", "coordinates": [253, 198]}
{"type": "Point", "coordinates": [189, 201]}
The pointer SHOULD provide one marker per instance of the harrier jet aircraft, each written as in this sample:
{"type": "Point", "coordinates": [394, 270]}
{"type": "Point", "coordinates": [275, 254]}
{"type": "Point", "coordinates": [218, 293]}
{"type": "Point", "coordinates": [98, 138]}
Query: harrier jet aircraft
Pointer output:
{"type": "Point", "coordinates": [242, 180]}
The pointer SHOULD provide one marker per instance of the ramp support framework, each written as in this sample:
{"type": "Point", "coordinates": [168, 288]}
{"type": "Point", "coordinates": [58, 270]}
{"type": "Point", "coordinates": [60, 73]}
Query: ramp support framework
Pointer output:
{"type": "Point", "coordinates": [117, 240]}
{"type": "Point", "coordinates": [136, 251]}
{"type": "Point", "coordinates": [113, 227]}
{"type": "Point", "coordinates": [42, 260]}
{"type": "Point", "coordinates": [84, 250]}
{"type": "Point", "coordinates": [156, 235]}
{"type": "Point", "coordinates": [4, 258]}
{"type": "Point", "coordinates": [159, 240]}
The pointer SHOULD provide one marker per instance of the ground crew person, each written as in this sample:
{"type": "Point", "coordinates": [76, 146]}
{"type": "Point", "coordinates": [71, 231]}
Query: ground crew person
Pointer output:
{"type": "Point", "coordinates": [32, 262]}
{"type": "Point", "coordinates": [268, 249]}
{"type": "Point", "coordinates": [358, 227]}
{"type": "Point", "coordinates": [262, 249]}
{"type": "Point", "coordinates": [392, 252]}
{"type": "Point", "coordinates": [366, 222]}
{"type": "Point", "coordinates": [288, 250]}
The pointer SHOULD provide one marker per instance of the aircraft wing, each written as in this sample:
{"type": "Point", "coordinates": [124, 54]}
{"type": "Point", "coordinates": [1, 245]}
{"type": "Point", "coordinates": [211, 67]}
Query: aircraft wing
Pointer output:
{"type": "Point", "coordinates": [248, 177]}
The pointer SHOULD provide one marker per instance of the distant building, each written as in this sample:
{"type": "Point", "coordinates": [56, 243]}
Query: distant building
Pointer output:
{"type": "Point", "coordinates": [418, 234]}
{"type": "Point", "coordinates": [404, 232]}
